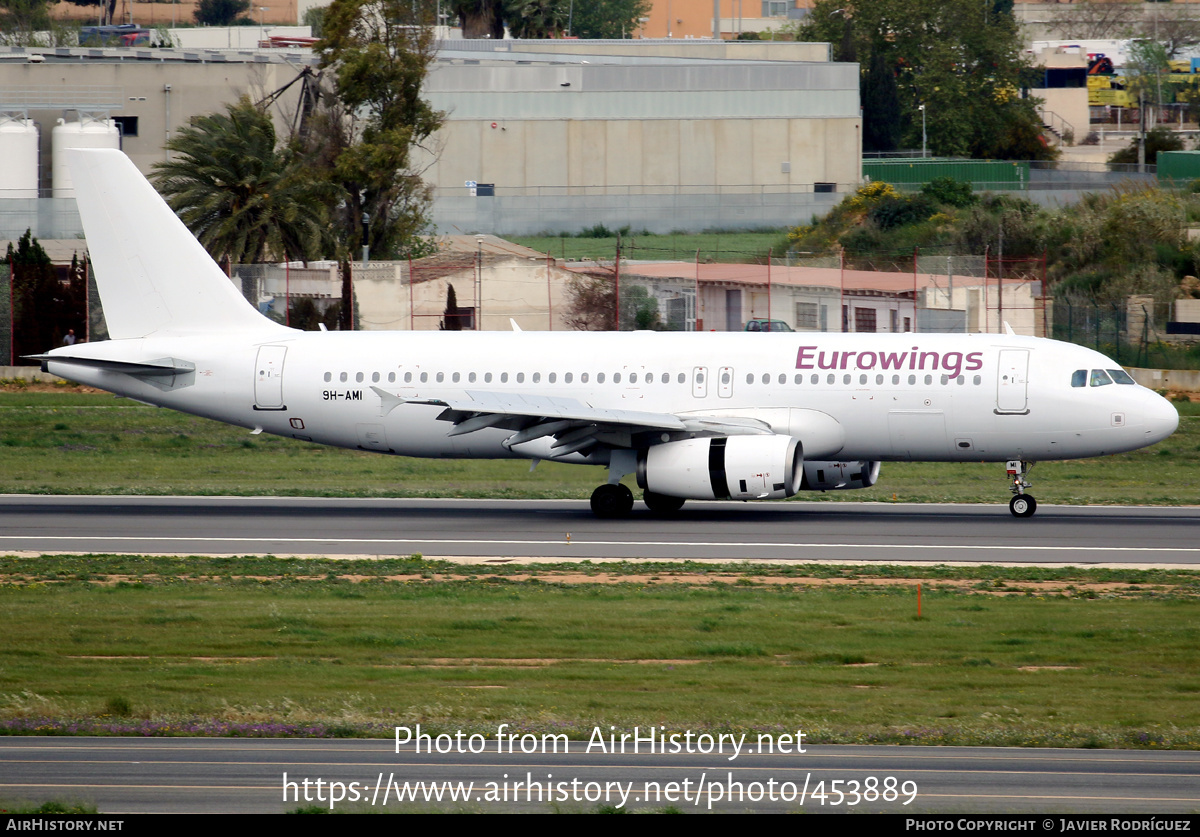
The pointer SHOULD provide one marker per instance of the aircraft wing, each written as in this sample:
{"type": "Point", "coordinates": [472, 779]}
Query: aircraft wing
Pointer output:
{"type": "Point", "coordinates": [574, 424]}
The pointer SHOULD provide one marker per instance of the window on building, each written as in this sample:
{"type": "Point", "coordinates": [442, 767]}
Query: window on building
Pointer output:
{"type": "Point", "coordinates": [864, 319]}
{"type": "Point", "coordinates": [808, 316]}
{"type": "Point", "coordinates": [127, 125]}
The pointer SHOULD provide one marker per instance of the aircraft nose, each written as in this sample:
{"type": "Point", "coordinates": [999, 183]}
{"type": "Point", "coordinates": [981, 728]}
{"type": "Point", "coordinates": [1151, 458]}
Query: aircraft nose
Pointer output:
{"type": "Point", "coordinates": [1161, 417]}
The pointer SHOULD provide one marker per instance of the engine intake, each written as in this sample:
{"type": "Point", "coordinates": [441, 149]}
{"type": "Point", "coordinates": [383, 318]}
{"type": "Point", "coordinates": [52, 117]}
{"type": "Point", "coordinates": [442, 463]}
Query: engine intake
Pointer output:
{"type": "Point", "coordinates": [723, 468]}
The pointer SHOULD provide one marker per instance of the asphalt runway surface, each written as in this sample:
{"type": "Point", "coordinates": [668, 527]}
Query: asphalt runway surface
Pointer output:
{"type": "Point", "coordinates": [544, 529]}
{"type": "Point", "coordinates": [212, 775]}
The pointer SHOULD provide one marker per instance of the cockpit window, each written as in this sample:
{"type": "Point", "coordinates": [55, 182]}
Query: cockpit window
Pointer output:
{"type": "Point", "coordinates": [1079, 378]}
{"type": "Point", "coordinates": [1100, 378]}
{"type": "Point", "coordinates": [1121, 376]}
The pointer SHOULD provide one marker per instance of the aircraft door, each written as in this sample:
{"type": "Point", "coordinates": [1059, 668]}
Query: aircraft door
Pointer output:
{"type": "Point", "coordinates": [268, 378]}
{"type": "Point", "coordinates": [1012, 382]}
{"type": "Point", "coordinates": [725, 382]}
{"type": "Point", "coordinates": [700, 381]}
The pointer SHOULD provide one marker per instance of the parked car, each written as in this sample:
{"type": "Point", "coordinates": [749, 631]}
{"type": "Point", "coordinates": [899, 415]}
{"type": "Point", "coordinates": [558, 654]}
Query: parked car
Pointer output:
{"type": "Point", "coordinates": [767, 325]}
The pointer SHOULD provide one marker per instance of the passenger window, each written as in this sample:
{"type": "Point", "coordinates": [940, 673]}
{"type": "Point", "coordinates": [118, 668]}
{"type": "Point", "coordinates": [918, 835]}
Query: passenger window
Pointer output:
{"type": "Point", "coordinates": [799, 378]}
{"type": "Point", "coordinates": [1079, 378]}
{"type": "Point", "coordinates": [977, 380]}
{"type": "Point", "coordinates": [358, 378]}
{"type": "Point", "coordinates": [455, 378]}
{"type": "Point", "coordinates": [408, 377]}
{"type": "Point", "coordinates": [1121, 376]}
{"type": "Point", "coordinates": [374, 377]}
{"type": "Point", "coordinates": [487, 377]}
{"type": "Point", "coordinates": [962, 379]}
{"type": "Point", "coordinates": [583, 378]}
{"type": "Point", "coordinates": [424, 377]}
{"type": "Point", "coordinates": [552, 377]}
{"type": "Point", "coordinates": [682, 378]}
{"type": "Point", "coordinates": [633, 377]}
{"type": "Point", "coordinates": [328, 377]}
{"type": "Point", "coordinates": [520, 377]}
{"type": "Point", "coordinates": [537, 377]}
{"type": "Point", "coordinates": [749, 377]}
{"type": "Point", "coordinates": [504, 377]}
{"type": "Point", "coordinates": [599, 377]}
{"type": "Point", "coordinates": [816, 379]}
{"type": "Point", "coordinates": [567, 378]}
{"type": "Point", "coordinates": [441, 376]}
{"type": "Point", "coordinates": [895, 380]}
{"type": "Point", "coordinates": [945, 380]}
{"type": "Point", "coordinates": [782, 378]}
{"type": "Point", "coordinates": [928, 380]}
{"type": "Point", "coordinates": [845, 379]}
{"type": "Point", "coordinates": [616, 377]}
{"type": "Point", "coordinates": [666, 378]}
{"type": "Point", "coordinates": [862, 379]}
{"type": "Point", "coordinates": [1100, 378]}
{"type": "Point", "coordinates": [912, 379]}
{"type": "Point", "coordinates": [878, 379]}
{"type": "Point", "coordinates": [343, 377]}
{"type": "Point", "coordinates": [471, 378]}
{"type": "Point", "coordinates": [391, 377]}
{"type": "Point", "coordinates": [831, 378]}
{"type": "Point", "coordinates": [766, 378]}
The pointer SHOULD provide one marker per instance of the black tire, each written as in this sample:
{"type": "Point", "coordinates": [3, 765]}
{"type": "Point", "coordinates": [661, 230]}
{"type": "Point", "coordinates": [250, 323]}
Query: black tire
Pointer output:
{"type": "Point", "coordinates": [1022, 505]}
{"type": "Point", "coordinates": [612, 501]}
{"type": "Point", "coordinates": [661, 503]}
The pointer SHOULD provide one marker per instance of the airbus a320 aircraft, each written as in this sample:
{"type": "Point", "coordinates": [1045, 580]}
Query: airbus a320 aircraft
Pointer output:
{"type": "Point", "coordinates": [694, 416]}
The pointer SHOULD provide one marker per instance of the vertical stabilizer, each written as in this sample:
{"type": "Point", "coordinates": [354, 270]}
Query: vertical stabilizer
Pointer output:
{"type": "Point", "coordinates": [152, 273]}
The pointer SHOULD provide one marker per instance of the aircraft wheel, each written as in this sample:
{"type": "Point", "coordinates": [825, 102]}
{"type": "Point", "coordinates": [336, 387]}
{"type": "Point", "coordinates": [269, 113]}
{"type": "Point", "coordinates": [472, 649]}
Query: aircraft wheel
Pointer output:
{"type": "Point", "coordinates": [661, 503]}
{"type": "Point", "coordinates": [1022, 505]}
{"type": "Point", "coordinates": [609, 501]}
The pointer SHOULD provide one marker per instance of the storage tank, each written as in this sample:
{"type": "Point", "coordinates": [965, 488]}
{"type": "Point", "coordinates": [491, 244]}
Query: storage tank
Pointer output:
{"type": "Point", "coordinates": [19, 151]}
{"type": "Point", "coordinates": [86, 133]}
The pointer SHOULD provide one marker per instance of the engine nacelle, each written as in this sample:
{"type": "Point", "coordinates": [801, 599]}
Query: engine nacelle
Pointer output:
{"type": "Point", "coordinates": [723, 468]}
{"type": "Point", "coordinates": [831, 476]}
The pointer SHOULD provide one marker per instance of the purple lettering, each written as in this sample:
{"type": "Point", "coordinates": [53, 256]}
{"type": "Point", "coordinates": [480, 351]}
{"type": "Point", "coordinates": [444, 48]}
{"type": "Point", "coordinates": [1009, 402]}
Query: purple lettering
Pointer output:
{"type": "Point", "coordinates": [804, 357]}
{"type": "Point", "coordinates": [912, 359]}
{"type": "Point", "coordinates": [933, 355]}
{"type": "Point", "coordinates": [893, 361]}
{"type": "Point", "coordinates": [846, 358]}
{"type": "Point", "coordinates": [974, 361]}
{"type": "Point", "coordinates": [863, 363]}
{"type": "Point", "coordinates": [821, 364]}
{"type": "Point", "coordinates": [952, 363]}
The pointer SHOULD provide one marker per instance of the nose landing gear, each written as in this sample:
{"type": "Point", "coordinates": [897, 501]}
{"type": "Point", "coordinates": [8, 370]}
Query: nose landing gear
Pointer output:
{"type": "Point", "coordinates": [1022, 504]}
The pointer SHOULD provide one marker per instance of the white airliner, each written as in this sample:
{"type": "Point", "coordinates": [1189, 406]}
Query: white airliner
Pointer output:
{"type": "Point", "coordinates": [694, 416]}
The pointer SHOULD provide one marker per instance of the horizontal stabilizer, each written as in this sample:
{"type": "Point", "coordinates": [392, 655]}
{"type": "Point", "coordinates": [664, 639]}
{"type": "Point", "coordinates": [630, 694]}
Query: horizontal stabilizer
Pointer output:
{"type": "Point", "coordinates": [159, 366]}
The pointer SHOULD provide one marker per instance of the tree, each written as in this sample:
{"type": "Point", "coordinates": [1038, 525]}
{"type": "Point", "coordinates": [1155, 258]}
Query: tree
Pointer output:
{"type": "Point", "coordinates": [28, 23]}
{"type": "Point", "coordinates": [962, 61]}
{"type": "Point", "coordinates": [451, 318]}
{"type": "Point", "coordinates": [608, 18]}
{"type": "Point", "coordinates": [479, 18]}
{"type": "Point", "coordinates": [591, 302]}
{"type": "Point", "coordinates": [536, 18]}
{"type": "Point", "coordinates": [221, 12]}
{"type": "Point", "coordinates": [244, 198]}
{"type": "Point", "coordinates": [44, 307]}
{"type": "Point", "coordinates": [1157, 139]}
{"type": "Point", "coordinates": [1096, 19]}
{"type": "Point", "coordinates": [378, 52]}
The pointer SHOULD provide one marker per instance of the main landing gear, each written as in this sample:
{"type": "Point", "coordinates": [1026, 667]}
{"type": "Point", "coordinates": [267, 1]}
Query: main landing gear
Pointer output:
{"type": "Point", "coordinates": [612, 500]}
{"type": "Point", "coordinates": [1022, 504]}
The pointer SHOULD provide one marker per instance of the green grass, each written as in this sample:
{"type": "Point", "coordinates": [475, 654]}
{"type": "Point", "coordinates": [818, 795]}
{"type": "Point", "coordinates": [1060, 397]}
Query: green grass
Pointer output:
{"type": "Point", "coordinates": [156, 643]}
{"type": "Point", "coordinates": [733, 247]}
{"type": "Point", "coordinates": [63, 443]}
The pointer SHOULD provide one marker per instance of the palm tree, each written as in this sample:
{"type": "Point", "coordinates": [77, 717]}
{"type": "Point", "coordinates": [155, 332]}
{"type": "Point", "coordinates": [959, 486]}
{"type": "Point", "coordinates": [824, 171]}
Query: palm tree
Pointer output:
{"type": "Point", "coordinates": [245, 199]}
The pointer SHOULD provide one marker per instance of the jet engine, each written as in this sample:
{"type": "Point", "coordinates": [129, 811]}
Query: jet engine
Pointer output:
{"type": "Point", "coordinates": [722, 468]}
{"type": "Point", "coordinates": [830, 476]}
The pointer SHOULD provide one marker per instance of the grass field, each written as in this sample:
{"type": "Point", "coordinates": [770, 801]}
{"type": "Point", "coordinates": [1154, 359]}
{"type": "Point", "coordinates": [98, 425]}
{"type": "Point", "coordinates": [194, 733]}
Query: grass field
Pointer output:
{"type": "Point", "coordinates": [71, 443]}
{"type": "Point", "coordinates": [271, 646]}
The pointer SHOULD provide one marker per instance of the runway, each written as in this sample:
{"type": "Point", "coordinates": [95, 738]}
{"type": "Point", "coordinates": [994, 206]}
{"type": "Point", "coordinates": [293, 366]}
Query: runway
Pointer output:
{"type": "Point", "coordinates": [566, 529]}
{"type": "Point", "coordinates": [213, 775]}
